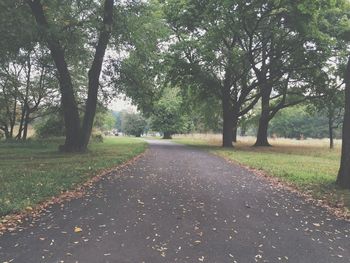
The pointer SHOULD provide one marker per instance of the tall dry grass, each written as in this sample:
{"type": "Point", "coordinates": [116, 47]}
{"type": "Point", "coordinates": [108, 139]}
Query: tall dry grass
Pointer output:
{"type": "Point", "coordinates": [314, 147]}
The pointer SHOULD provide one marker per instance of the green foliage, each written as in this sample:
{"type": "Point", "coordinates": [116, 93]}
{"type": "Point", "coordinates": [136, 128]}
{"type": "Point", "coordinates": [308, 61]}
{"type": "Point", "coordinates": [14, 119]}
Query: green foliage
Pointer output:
{"type": "Point", "coordinates": [297, 122]}
{"type": "Point", "coordinates": [133, 124]}
{"type": "Point", "coordinates": [140, 74]}
{"type": "Point", "coordinates": [105, 120]}
{"type": "Point", "coordinates": [50, 126]}
{"type": "Point", "coordinates": [16, 28]}
{"type": "Point", "coordinates": [168, 116]}
{"type": "Point", "coordinates": [28, 89]}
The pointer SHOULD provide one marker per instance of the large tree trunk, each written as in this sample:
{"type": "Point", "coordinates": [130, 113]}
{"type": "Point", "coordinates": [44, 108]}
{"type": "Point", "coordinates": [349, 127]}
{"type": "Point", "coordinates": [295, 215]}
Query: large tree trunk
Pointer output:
{"type": "Point", "coordinates": [343, 179]}
{"type": "Point", "coordinates": [69, 105]}
{"type": "Point", "coordinates": [234, 134]}
{"type": "Point", "coordinates": [227, 118]}
{"type": "Point", "coordinates": [94, 73]}
{"type": "Point", "coordinates": [261, 138]}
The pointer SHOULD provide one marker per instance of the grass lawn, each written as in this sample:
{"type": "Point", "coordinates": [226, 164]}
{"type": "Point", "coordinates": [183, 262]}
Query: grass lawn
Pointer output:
{"type": "Point", "coordinates": [34, 171]}
{"type": "Point", "coordinates": [308, 165]}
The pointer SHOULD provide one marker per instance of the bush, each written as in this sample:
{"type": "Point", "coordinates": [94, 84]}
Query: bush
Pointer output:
{"type": "Point", "coordinates": [97, 137]}
{"type": "Point", "coordinates": [52, 126]}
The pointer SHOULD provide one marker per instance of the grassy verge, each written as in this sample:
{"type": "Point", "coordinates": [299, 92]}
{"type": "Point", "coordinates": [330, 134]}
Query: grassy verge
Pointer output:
{"type": "Point", "coordinates": [34, 171]}
{"type": "Point", "coordinates": [307, 165]}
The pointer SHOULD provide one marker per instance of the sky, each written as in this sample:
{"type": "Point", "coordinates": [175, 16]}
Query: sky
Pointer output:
{"type": "Point", "coordinates": [122, 103]}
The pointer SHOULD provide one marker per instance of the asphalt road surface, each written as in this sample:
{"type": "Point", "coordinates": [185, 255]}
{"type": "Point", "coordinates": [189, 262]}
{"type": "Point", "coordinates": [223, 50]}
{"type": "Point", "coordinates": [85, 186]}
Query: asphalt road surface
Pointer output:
{"type": "Point", "coordinates": [178, 204]}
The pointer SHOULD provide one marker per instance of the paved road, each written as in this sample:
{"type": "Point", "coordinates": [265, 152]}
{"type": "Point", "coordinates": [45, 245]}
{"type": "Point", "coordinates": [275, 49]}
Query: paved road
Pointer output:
{"type": "Point", "coordinates": [178, 204]}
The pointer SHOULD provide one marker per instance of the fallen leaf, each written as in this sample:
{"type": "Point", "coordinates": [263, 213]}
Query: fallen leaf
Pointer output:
{"type": "Point", "coordinates": [77, 230]}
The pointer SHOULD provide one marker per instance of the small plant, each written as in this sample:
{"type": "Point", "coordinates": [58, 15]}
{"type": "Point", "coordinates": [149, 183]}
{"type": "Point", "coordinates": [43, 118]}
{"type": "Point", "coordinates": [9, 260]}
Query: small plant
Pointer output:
{"type": "Point", "coordinates": [97, 137]}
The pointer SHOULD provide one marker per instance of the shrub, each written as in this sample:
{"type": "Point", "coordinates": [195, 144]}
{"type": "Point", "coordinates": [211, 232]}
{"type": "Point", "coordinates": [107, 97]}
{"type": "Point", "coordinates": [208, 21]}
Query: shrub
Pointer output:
{"type": "Point", "coordinates": [52, 126]}
{"type": "Point", "coordinates": [97, 137]}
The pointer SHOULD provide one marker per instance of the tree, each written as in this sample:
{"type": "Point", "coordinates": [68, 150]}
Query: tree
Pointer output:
{"type": "Point", "coordinates": [338, 29]}
{"type": "Point", "coordinates": [133, 124]}
{"type": "Point", "coordinates": [167, 116]}
{"type": "Point", "coordinates": [275, 40]}
{"type": "Point", "coordinates": [77, 134]}
{"type": "Point", "coordinates": [335, 25]}
{"type": "Point", "coordinates": [203, 112]}
{"type": "Point", "coordinates": [140, 76]}
{"type": "Point", "coordinates": [105, 120]}
{"type": "Point", "coordinates": [343, 178]}
{"type": "Point", "coordinates": [299, 121]}
{"type": "Point", "coordinates": [207, 56]}
{"type": "Point", "coordinates": [27, 88]}
{"type": "Point", "coordinates": [331, 105]}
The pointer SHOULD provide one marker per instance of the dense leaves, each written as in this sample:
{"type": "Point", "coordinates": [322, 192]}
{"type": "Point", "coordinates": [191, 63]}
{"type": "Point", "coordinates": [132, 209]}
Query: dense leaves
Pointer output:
{"type": "Point", "coordinates": [133, 124]}
{"type": "Point", "coordinates": [167, 116]}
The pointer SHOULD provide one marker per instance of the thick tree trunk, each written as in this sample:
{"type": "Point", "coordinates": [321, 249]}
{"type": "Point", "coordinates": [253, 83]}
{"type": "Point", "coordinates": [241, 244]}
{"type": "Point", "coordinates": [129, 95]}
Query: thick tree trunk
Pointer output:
{"type": "Point", "coordinates": [235, 127]}
{"type": "Point", "coordinates": [261, 138]}
{"type": "Point", "coordinates": [69, 105]}
{"type": "Point", "coordinates": [330, 128]}
{"type": "Point", "coordinates": [343, 179]}
{"type": "Point", "coordinates": [167, 135]}
{"type": "Point", "coordinates": [227, 118]}
{"type": "Point", "coordinates": [94, 73]}
{"type": "Point", "coordinates": [234, 134]}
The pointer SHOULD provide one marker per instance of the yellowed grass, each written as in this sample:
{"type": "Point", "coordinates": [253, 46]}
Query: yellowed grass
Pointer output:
{"type": "Point", "coordinates": [313, 147]}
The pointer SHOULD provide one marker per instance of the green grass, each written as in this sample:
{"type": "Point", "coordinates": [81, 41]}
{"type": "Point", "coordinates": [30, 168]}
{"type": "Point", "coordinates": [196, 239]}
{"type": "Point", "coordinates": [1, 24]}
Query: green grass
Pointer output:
{"type": "Point", "coordinates": [34, 171]}
{"type": "Point", "coordinates": [307, 165]}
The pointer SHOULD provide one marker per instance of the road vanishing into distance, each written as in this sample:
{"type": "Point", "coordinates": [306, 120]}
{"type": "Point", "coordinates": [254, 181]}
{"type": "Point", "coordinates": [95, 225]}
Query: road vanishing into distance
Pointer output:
{"type": "Point", "coordinates": [179, 204]}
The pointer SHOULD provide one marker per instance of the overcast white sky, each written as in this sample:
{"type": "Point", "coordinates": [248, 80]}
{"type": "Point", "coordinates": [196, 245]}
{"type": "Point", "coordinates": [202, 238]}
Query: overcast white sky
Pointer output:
{"type": "Point", "coordinates": [121, 103]}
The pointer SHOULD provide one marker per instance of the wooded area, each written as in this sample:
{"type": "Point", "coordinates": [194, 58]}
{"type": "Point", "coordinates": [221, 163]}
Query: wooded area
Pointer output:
{"type": "Point", "coordinates": [226, 65]}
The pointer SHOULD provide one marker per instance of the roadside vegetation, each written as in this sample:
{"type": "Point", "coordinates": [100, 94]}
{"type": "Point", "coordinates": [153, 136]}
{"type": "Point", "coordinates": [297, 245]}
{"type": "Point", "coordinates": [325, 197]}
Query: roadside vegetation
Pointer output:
{"type": "Point", "coordinates": [34, 171]}
{"type": "Point", "coordinates": [308, 165]}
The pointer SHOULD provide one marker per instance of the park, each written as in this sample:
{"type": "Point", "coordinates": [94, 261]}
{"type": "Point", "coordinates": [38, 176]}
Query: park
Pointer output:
{"type": "Point", "coordinates": [174, 131]}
